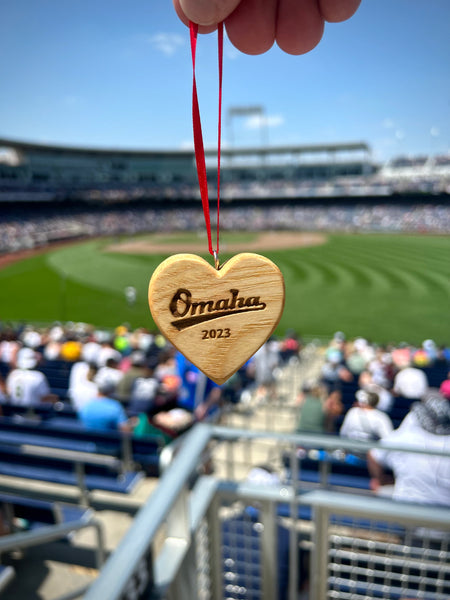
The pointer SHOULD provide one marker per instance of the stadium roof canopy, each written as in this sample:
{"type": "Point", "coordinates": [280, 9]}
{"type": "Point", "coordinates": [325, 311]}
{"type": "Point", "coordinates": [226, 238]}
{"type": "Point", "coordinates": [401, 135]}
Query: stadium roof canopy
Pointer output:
{"type": "Point", "coordinates": [301, 149]}
{"type": "Point", "coordinates": [22, 146]}
{"type": "Point", "coordinates": [54, 148]}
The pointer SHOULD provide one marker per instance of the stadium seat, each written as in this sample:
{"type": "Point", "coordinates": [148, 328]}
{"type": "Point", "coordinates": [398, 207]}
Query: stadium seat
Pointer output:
{"type": "Point", "coordinates": [36, 513]}
{"type": "Point", "coordinates": [60, 466]}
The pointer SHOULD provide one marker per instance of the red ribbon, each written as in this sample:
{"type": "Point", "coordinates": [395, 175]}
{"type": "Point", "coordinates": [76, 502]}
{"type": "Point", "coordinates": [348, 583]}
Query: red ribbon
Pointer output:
{"type": "Point", "coordinates": [198, 136]}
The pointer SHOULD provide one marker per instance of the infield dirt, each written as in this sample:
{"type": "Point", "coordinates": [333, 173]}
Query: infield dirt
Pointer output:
{"type": "Point", "coordinates": [268, 240]}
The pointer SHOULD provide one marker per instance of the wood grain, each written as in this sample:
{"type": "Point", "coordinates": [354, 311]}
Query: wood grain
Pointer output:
{"type": "Point", "coordinates": [217, 318]}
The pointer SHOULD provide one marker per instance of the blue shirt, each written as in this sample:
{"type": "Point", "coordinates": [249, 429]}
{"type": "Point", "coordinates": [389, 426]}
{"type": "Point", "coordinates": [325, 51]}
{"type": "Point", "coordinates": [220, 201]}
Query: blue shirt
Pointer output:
{"type": "Point", "coordinates": [103, 414]}
{"type": "Point", "coordinates": [195, 385]}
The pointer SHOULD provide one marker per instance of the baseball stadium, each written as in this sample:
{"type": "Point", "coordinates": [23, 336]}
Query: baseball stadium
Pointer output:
{"type": "Point", "coordinates": [277, 484]}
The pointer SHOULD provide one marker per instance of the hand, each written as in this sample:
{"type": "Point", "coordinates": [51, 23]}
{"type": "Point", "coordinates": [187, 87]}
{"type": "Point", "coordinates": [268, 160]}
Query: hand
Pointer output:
{"type": "Point", "coordinates": [374, 484]}
{"type": "Point", "coordinates": [254, 25]}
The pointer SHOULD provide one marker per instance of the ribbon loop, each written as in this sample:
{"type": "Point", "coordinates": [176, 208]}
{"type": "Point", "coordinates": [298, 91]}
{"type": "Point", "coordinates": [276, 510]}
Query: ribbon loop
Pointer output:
{"type": "Point", "coordinates": [198, 136]}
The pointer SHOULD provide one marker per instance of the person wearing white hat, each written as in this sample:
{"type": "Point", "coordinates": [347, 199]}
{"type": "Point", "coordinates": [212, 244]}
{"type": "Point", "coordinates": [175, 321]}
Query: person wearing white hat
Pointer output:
{"type": "Point", "coordinates": [364, 421]}
{"type": "Point", "coordinates": [24, 385]}
{"type": "Point", "coordinates": [420, 478]}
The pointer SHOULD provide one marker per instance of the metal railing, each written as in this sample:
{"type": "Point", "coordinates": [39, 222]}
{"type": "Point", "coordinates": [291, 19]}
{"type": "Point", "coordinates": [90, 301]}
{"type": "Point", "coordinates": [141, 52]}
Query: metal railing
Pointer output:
{"type": "Point", "coordinates": [225, 538]}
{"type": "Point", "coordinates": [51, 533]}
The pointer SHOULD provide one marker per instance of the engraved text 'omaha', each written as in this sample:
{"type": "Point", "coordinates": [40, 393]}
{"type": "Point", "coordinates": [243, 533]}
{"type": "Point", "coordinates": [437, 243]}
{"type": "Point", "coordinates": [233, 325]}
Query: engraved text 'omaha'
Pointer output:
{"type": "Point", "coordinates": [189, 313]}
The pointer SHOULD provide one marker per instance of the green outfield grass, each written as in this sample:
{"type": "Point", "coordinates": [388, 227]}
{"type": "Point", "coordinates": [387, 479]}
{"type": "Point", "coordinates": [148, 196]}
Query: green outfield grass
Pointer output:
{"type": "Point", "coordinates": [384, 287]}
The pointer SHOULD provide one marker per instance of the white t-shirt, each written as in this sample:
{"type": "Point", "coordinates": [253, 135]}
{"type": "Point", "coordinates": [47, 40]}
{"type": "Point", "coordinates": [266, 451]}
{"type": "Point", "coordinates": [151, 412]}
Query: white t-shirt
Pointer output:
{"type": "Point", "coordinates": [411, 383]}
{"type": "Point", "coordinates": [365, 424]}
{"type": "Point", "coordinates": [78, 374]}
{"type": "Point", "coordinates": [419, 478]}
{"type": "Point", "coordinates": [81, 389]}
{"type": "Point", "coordinates": [26, 387]}
{"type": "Point", "coordinates": [83, 393]}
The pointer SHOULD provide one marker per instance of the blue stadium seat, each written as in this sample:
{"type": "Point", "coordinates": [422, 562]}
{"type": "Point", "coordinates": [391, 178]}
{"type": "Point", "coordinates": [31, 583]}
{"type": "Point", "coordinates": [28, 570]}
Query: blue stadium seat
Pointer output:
{"type": "Point", "coordinates": [20, 461]}
{"type": "Point", "coordinates": [38, 512]}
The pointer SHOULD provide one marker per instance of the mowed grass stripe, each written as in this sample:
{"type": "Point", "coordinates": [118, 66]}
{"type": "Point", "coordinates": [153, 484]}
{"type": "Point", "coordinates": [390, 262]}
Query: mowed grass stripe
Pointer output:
{"type": "Point", "coordinates": [395, 277]}
{"type": "Point", "coordinates": [405, 272]}
{"type": "Point", "coordinates": [325, 272]}
{"type": "Point", "coordinates": [298, 268]}
{"type": "Point", "coordinates": [429, 276]}
{"type": "Point", "coordinates": [369, 277]}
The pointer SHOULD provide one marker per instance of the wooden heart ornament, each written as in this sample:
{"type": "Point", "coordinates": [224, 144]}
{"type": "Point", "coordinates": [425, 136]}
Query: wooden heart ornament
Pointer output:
{"type": "Point", "coordinates": [217, 318]}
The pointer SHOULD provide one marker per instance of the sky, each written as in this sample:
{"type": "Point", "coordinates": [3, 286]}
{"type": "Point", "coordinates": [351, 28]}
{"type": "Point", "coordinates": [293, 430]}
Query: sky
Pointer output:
{"type": "Point", "coordinates": [110, 74]}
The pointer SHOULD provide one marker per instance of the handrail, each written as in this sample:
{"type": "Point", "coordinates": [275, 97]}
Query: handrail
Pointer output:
{"type": "Point", "coordinates": [134, 552]}
{"type": "Point", "coordinates": [317, 440]}
{"type": "Point", "coordinates": [50, 533]}
{"type": "Point", "coordinates": [428, 515]}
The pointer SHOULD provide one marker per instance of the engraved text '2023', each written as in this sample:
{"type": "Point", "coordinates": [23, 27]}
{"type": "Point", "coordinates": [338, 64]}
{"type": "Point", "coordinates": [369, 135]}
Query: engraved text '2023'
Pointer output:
{"type": "Point", "coordinates": [188, 312]}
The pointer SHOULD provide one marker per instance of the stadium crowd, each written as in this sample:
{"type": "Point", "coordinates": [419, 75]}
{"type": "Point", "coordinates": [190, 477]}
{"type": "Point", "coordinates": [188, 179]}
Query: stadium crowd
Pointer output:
{"type": "Point", "coordinates": [134, 381]}
{"type": "Point", "coordinates": [27, 230]}
{"type": "Point", "coordinates": [129, 379]}
{"type": "Point", "coordinates": [142, 374]}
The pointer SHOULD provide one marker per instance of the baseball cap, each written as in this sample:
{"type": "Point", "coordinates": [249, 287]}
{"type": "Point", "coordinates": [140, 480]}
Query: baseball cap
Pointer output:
{"type": "Point", "coordinates": [362, 397]}
{"type": "Point", "coordinates": [26, 358]}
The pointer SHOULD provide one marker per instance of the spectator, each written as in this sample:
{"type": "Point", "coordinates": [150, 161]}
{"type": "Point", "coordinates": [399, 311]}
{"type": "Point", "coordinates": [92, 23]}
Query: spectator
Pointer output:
{"type": "Point", "coordinates": [91, 350]}
{"type": "Point", "coordinates": [109, 372]}
{"type": "Point", "coordinates": [136, 370]}
{"type": "Point", "coordinates": [143, 426]}
{"type": "Point", "coordinates": [9, 347]}
{"type": "Point", "coordinates": [144, 392]}
{"type": "Point", "coordinates": [71, 349]}
{"type": "Point", "coordinates": [333, 409]}
{"type": "Point", "coordinates": [78, 373]}
{"type": "Point", "coordinates": [31, 337]}
{"type": "Point", "coordinates": [289, 347]}
{"type": "Point", "coordinates": [333, 370]}
{"type": "Point", "coordinates": [83, 388]}
{"type": "Point", "coordinates": [106, 352]}
{"type": "Point", "coordinates": [173, 422]}
{"type": "Point", "coordinates": [445, 387]}
{"type": "Point", "coordinates": [366, 382]}
{"type": "Point", "coordinates": [25, 385]}
{"type": "Point", "coordinates": [359, 354]}
{"type": "Point", "coordinates": [420, 478]}
{"type": "Point", "coordinates": [317, 410]}
{"type": "Point", "coordinates": [3, 396]}
{"type": "Point", "coordinates": [364, 421]}
{"type": "Point", "coordinates": [265, 362]}
{"type": "Point", "coordinates": [198, 394]}
{"type": "Point", "coordinates": [103, 412]}
{"type": "Point", "coordinates": [410, 382]}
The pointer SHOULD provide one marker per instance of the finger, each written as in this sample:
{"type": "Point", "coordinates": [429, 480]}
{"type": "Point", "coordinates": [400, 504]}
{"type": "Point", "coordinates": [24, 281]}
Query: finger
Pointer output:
{"type": "Point", "coordinates": [300, 25]}
{"type": "Point", "coordinates": [207, 12]}
{"type": "Point", "coordinates": [185, 19]}
{"type": "Point", "coordinates": [335, 11]}
{"type": "Point", "coordinates": [251, 27]}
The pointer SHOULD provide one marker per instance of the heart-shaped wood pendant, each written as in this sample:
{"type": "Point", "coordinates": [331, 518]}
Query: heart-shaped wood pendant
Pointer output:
{"type": "Point", "coordinates": [217, 318]}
